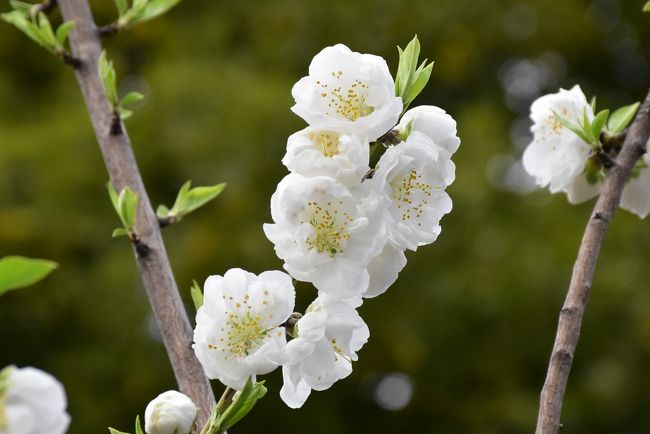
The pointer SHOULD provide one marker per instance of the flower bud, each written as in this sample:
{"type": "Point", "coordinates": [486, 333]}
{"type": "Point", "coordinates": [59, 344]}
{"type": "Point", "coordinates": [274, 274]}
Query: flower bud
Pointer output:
{"type": "Point", "coordinates": [170, 412]}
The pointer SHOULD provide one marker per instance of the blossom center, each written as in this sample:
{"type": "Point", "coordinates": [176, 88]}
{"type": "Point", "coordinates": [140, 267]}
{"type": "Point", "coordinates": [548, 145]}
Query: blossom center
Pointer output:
{"type": "Point", "coordinates": [241, 335]}
{"type": "Point", "coordinates": [410, 194]}
{"type": "Point", "coordinates": [326, 142]}
{"type": "Point", "coordinates": [347, 101]}
{"type": "Point", "coordinates": [329, 228]}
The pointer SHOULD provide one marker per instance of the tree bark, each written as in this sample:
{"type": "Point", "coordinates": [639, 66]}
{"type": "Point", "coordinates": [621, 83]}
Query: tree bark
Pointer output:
{"type": "Point", "coordinates": [568, 331]}
{"type": "Point", "coordinates": [150, 253]}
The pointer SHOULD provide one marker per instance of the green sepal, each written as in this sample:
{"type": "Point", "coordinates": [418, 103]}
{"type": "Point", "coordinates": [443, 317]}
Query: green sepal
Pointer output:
{"type": "Point", "coordinates": [621, 118]}
{"type": "Point", "coordinates": [138, 425]}
{"type": "Point", "coordinates": [18, 272]}
{"type": "Point", "coordinates": [598, 123]}
{"type": "Point", "coordinates": [197, 295]}
{"type": "Point", "coordinates": [243, 403]}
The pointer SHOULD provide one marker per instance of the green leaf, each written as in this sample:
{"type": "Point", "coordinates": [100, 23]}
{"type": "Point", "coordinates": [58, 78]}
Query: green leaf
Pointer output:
{"type": "Point", "coordinates": [162, 211]}
{"type": "Point", "coordinates": [138, 425]}
{"type": "Point", "coordinates": [646, 7]}
{"type": "Point", "coordinates": [122, 6]}
{"type": "Point", "coordinates": [408, 62]}
{"type": "Point", "coordinates": [126, 207]}
{"type": "Point", "coordinates": [197, 295]}
{"type": "Point", "coordinates": [46, 31]}
{"type": "Point", "coordinates": [572, 127]}
{"type": "Point", "coordinates": [189, 199]}
{"type": "Point", "coordinates": [124, 113]}
{"type": "Point", "coordinates": [114, 431]}
{"type": "Point", "coordinates": [598, 123]}
{"type": "Point", "coordinates": [420, 80]}
{"type": "Point", "coordinates": [621, 118]}
{"type": "Point", "coordinates": [131, 97]}
{"type": "Point", "coordinates": [592, 103]}
{"type": "Point", "coordinates": [119, 232]}
{"type": "Point", "coordinates": [154, 9]}
{"type": "Point", "coordinates": [243, 404]}
{"type": "Point", "coordinates": [18, 272]}
{"type": "Point", "coordinates": [107, 75]}
{"type": "Point", "coordinates": [25, 25]}
{"type": "Point", "coordinates": [22, 7]}
{"type": "Point", "coordinates": [63, 31]}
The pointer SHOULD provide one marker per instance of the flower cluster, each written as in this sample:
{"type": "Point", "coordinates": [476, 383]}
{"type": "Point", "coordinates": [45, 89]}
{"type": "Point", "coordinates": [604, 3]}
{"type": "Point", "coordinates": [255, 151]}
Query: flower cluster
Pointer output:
{"type": "Point", "coordinates": [565, 159]}
{"type": "Point", "coordinates": [340, 222]}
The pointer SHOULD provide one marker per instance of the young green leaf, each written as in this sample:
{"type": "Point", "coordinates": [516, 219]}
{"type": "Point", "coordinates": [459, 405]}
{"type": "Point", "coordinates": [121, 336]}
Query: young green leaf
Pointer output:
{"type": "Point", "coordinates": [592, 103]}
{"type": "Point", "coordinates": [22, 7]}
{"type": "Point", "coordinates": [154, 9]}
{"type": "Point", "coordinates": [126, 206]}
{"type": "Point", "coordinates": [189, 199]}
{"type": "Point", "coordinates": [408, 62]}
{"type": "Point", "coordinates": [197, 295]}
{"type": "Point", "coordinates": [119, 232]}
{"type": "Point", "coordinates": [420, 80]}
{"type": "Point", "coordinates": [20, 20]}
{"type": "Point", "coordinates": [46, 31]}
{"type": "Point", "coordinates": [162, 211]}
{"type": "Point", "coordinates": [63, 31]}
{"type": "Point", "coordinates": [131, 97]}
{"type": "Point", "coordinates": [18, 272]}
{"type": "Point", "coordinates": [122, 6]}
{"type": "Point", "coordinates": [621, 118]}
{"type": "Point", "coordinates": [114, 431]}
{"type": "Point", "coordinates": [240, 406]}
{"type": "Point", "coordinates": [138, 425]}
{"type": "Point", "coordinates": [574, 128]}
{"type": "Point", "coordinates": [124, 113]}
{"type": "Point", "coordinates": [598, 123]}
{"type": "Point", "coordinates": [107, 75]}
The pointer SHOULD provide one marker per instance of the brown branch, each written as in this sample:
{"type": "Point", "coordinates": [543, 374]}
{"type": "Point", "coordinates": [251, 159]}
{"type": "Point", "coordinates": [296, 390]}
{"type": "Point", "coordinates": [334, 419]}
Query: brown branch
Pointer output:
{"type": "Point", "coordinates": [154, 266]}
{"type": "Point", "coordinates": [568, 331]}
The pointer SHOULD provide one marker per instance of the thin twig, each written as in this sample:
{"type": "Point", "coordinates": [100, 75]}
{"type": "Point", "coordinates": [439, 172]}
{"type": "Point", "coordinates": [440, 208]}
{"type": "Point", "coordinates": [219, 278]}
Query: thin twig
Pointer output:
{"type": "Point", "coordinates": [153, 264]}
{"type": "Point", "coordinates": [109, 29]}
{"type": "Point", "coordinates": [45, 7]}
{"type": "Point", "coordinates": [568, 331]}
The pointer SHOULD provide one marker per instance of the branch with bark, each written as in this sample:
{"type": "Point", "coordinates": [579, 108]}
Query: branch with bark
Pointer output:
{"type": "Point", "coordinates": [568, 331]}
{"type": "Point", "coordinates": [153, 266]}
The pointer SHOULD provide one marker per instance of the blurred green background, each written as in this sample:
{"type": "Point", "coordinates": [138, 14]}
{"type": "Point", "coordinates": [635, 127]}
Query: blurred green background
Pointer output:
{"type": "Point", "coordinates": [460, 343]}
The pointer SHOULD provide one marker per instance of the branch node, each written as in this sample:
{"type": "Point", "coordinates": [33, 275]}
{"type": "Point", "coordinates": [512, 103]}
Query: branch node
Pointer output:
{"type": "Point", "coordinates": [109, 29]}
{"type": "Point", "coordinates": [45, 7]}
{"type": "Point", "coordinates": [116, 124]}
{"type": "Point", "coordinates": [71, 60]}
{"type": "Point", "coordinates": [599, 216]}
{"type": "Point", "coordinates": [141, 248]}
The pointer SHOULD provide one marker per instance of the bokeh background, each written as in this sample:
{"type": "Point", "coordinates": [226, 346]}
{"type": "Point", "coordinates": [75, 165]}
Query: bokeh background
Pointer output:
{"type": "Point", "coordinates": [460, 343]}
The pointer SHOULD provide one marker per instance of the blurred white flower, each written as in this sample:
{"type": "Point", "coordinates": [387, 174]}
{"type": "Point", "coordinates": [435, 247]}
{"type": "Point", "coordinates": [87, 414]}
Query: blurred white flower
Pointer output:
{"type": "Point", "coordinates": [31, 402]}
{"type": "Point", "coordinates": [325, 234]}
{"type": "Point", "coordinates": [557, 156]}
{"type": "Point", "coordinates": [414, 175]}
{"type": "Point", "coordinates": [326, 342]}
{"type": "Point", "coordinates": [170, 412]}
{"type": "Point", "coordinates": [313, 152]}
{"type": "Point", "coordinates": [238, 331]}
{"type": "Point", "coordinates": [636, 194]}
{"type": "Point", "coordinates": [434, 123]}
{"type": "Point", "coordinates": [348, 92]}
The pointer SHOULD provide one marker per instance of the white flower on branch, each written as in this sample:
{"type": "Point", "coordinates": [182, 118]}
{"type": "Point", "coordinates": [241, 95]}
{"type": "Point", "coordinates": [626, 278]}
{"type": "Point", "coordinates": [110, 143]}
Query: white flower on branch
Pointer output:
{"type": "Point", "coordinates": [313, 152]}
{"type": "Point", "coordinates": [557, 156]}
{"type": "Point", "coordinates": [414, 175]}
{"type": "Point", "coordinates": [348, 92]}
{"type": "Point", "coordinates": [326, 342]}
{"type": "Point", "coordinates": [636, 194]}
{"type": "Point", "coordinates": [238, 328]}
{"type": "Point", "coordinates": [325, 234]}
{"type": "Point", "coordinates": [434, 123]}
{"type": "Point", "coordinates": [31, 402]}
{"type": "Point", "coordinates": [170, 412]}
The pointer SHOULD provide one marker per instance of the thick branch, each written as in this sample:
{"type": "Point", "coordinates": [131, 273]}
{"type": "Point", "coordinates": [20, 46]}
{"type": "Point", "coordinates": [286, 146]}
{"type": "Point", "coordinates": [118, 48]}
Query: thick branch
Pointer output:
{"type": "Point", "coordinates": [123, 170]}
{"type": "Point", "coordinates": [568, 330]}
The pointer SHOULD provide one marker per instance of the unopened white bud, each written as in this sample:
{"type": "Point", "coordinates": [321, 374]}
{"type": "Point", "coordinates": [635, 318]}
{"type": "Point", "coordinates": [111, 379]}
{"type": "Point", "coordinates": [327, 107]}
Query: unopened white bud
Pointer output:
{"type": "Point", "coordinates": [170, 412]}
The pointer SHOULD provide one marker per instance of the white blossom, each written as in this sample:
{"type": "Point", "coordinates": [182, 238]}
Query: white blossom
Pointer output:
{"type": "Point", "coordinates": [557, 156]}
{"type": "Point", "coordinates": [348, 92]}
{"type": "Point", "coordinates": [170, 412]}
{"type": "Point", "coordinates": [384, 270]}
{"type": "Point", "coordinates": [414, 175]}
{"type": "Point", "coordinates": [238, 331]}
{"type": "Point", "coordinates": [326, 342]}
{"type": "Point", "coordinates": [434, 123]}
{"type": "Point", "coordinates": [313, 152]}
{"type": "Point", "coordinates": [325, 234]}
{"type": "Point", "coordinates": [636, 194]}
{"type": "Point", "coordinates": [31, 402]}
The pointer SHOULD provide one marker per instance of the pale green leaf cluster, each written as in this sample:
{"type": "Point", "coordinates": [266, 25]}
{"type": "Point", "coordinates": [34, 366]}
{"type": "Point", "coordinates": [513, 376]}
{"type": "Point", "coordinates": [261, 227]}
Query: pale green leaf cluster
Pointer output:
{"type": "Point", "coordinates": [126, 206]}
{"type": "Point", "coordinates": [411, 78]}
{"type": "Point", "coordinates": [107, 76]}
{"type": "Point", "coordinates": [38, 28]}
{"type": "Point", "coordinates": [197, 295]}
{"type": "Point", "coordinates": [243, 402]}
{"type": "Point", "coordinates": [141, 10]}
{"type": "Point", "coordinates": [18, 272]}
{"type": "Point", "coordinates": [188, 200]}
{"type": "Point", "coordinates": [138, 428]}
{"type": "Point", "coordinates": [589, 131]}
